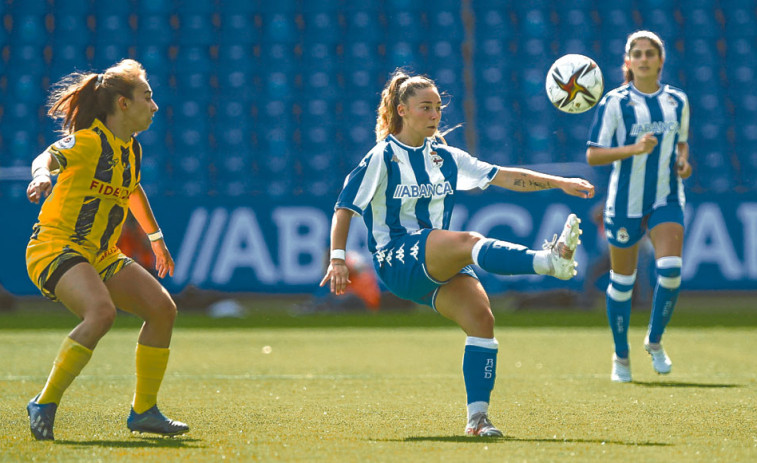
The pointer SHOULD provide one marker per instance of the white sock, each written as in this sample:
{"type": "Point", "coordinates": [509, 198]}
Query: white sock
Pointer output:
{"type": "Point", "coordinates": [542, 265]}
{"type": "Point", "coordinates": [477, 407]}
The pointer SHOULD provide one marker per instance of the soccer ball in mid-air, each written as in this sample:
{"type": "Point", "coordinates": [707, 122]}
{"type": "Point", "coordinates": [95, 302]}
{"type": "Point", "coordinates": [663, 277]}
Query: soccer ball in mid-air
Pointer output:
{"type": "Point", "coordinates": [574, 83]}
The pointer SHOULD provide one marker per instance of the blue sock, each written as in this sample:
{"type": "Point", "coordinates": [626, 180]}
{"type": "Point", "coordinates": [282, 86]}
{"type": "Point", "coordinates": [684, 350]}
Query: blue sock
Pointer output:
{"type": "Point", "coordinates": [619, 294]}
{"type": "Point", "coordinates": [503, 258]}
{"type": "Point", "coordinates": [665, 295]}
{"type": "Point", "coordinates": [479, 368]}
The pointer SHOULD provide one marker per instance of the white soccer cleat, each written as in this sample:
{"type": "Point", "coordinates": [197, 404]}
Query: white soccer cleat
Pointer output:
{"type": "Point", "coordinates": [562, 249]}
{"type": "Point", "coordinates": [620, 373]}
{"type": "Point", "coordinates": [479, 425]}
{"type": "Point", "coordinates": [660, 360]}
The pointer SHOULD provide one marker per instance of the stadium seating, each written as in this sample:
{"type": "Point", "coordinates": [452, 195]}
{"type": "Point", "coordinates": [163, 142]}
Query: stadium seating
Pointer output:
{"type": "Point", "coordinates": [257, 90]}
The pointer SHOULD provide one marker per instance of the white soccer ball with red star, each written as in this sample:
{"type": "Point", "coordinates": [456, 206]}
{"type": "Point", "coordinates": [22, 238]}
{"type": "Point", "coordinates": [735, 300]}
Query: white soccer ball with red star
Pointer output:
{"type": "Point", "coordinates": [574, 83]}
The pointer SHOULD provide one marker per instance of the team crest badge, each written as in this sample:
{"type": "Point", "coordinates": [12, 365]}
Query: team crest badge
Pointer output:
{"type": "Point", "coordinates": [623, 235]}
{"type": "Point", "coordinates": [66, 142]}
{"type": "Point", "coordinates": [436, 159]}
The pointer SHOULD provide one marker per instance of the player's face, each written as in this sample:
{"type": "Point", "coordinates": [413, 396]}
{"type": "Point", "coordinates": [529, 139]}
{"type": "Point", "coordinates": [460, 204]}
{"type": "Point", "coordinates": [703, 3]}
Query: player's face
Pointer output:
{"type": "Point", "coordinates": [421, 114]}
{"type": "Point", "coordinates": [644, 60]}
{"type": "Point", "coordinates": [140, 108]}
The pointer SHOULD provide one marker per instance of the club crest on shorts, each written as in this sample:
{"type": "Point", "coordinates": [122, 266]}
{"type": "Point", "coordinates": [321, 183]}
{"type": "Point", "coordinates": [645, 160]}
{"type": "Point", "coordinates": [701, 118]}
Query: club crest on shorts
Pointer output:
{"type": "Point", "coordinates": [623, 235]}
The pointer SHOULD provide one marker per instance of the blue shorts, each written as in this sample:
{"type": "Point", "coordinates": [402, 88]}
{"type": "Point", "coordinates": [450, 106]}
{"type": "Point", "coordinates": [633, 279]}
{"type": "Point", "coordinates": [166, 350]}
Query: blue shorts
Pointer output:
{"type": "Point", "coordinates": [624, 232]}
{"type": "Point", "coordinates": [401, 265]}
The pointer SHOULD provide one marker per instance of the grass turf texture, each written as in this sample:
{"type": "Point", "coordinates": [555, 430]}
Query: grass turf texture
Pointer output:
{"type": "Point", "coordinates": [340, 392]}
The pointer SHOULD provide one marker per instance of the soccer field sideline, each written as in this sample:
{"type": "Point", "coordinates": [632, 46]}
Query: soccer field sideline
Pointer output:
{"type": "Point", "coordinates": [376, 394]}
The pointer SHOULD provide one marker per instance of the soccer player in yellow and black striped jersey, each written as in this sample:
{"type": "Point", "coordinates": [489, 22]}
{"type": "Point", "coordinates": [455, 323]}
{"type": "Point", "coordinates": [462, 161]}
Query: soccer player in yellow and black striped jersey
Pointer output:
{"type": "Point", "coordinates": [72, 255]}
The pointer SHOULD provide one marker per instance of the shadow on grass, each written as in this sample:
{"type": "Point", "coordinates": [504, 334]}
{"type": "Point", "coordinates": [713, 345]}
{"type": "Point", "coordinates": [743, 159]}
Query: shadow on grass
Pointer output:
{"type": "Point", "coordinates": [136, 442]}
{"type": "Point", "coordinates": [479, 440]}
{"type": "Point", "coordinates": [684, 384]}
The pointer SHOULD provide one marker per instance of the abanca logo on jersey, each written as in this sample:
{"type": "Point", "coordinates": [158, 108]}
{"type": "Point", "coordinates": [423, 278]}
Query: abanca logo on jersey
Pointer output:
{"type": "Point", "coordinates": [655, 127]}
{"type": "Point", "coordinates": [425, 190]}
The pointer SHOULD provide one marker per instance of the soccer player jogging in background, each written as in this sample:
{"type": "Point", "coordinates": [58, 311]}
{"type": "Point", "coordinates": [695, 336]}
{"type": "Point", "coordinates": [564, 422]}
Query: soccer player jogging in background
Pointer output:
{"type": "Point", "coordinates": [642, 128]}
{"type": "Point", "coordinates": [405, 190]}
{"type": "Point", "coordinates": [72, 255]}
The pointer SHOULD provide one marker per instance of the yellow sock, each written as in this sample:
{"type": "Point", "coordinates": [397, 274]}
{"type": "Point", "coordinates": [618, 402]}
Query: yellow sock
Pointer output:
{"type": "Point", "coordinates": [151, 366]}
{"type": "Point", "coordinates": [71, 358]}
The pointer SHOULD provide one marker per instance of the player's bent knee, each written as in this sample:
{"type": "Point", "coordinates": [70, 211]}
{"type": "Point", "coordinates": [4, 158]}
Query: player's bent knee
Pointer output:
{"type": "Point", "coordinates": [101, 317]}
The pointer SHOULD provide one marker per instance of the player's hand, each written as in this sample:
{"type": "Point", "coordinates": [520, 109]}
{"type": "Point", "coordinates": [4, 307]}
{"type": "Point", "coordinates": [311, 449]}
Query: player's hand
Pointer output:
{"type": "Point", "coordinates": [683, 168]}
{"type": "Point", "coordinates": [39, 188]}
{"type": "Point", "coordinates": [578, 187]}
{"type": "Point", "coordinates": [163, 261]}
{"type": "Point", "coordinates": [339, 275]}
{"type": "Point", "coordinates": [646, 143]}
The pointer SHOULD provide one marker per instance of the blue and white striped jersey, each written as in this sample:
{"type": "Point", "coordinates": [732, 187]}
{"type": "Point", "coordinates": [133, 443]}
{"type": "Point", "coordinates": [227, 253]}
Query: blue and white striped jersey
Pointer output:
{"type": "Point", "coordinates": [639, 184]}
{"type": "Point", "coordinates": [399, 189]}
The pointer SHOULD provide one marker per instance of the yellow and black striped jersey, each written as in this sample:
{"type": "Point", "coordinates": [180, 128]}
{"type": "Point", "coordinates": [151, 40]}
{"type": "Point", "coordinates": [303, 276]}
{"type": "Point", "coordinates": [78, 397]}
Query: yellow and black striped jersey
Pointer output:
{"type": "Point", "coordinates": [98, 173]}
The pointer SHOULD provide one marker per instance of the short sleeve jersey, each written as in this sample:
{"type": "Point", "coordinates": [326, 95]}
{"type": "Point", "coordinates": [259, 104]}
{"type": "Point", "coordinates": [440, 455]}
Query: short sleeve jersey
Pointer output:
{"type": "Point", "coordinates": [98, 172]}
{"type": "Point", "coordinates": [399, 189]}
{"type": "Point", "coordinates": [641, 183]}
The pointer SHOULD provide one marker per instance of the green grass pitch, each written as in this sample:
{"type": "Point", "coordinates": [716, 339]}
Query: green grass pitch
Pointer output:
{"type": "Point", "coordinates": [322, 390]}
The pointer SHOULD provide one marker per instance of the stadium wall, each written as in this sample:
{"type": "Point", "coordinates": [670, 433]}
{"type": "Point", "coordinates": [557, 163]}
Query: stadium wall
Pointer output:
{"type": "Point", "coordinates": [256, 246]}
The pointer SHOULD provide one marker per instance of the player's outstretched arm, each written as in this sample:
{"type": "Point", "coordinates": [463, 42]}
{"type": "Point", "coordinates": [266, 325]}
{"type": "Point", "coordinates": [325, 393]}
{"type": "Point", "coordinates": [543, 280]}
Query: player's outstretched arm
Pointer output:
{"type": "Point", "coordinates": [518, 179]}
{"type": "Point", "coordinates": [41, 184]}
{"type": "Point", "coordinates": [337, 273]}
{"type": "Point", "coordinates": [140, 207]}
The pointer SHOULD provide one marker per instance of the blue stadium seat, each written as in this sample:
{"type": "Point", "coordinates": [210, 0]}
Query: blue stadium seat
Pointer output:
{"type": "Point", "coordinates": [113, 29]}
{"type": "Point", "coordinates": [27, 58]}
{"type": "Point", "coordinates": [33, 7]}
{"type": "Point", "coordinates": [236, 58]}
{"type": "Point", "coordinates": [446, 25]}
{"type": "Point", "coordinates": [238, 29]}
{"type": "Point", "coordinates": [577, 24]}
{"type": "Point", "coordinates": [65, 59]}
{"type": "Point", "coordinates": [494, 24]}
{"type": "Point", "coordinates": [322, 26]}
{"type": "Point", "coordinates": [26, 88]}
{"type": "Point", "coordinates": [153, 57]}
{"type": "Point", "coordinates": [407, 26]}
{"type": "Point", "coordinates": [71, 28]}
{"type": "Point", "coordinates": [535, 23]}
{"type": "Point", "coordinates": [152, 6]}
{"type": "Point", "coordinates": [616, 22]}
{"type": "Point", "coordinates": [193, 58]}
{"type": "Point", "coordinates": [70, 7]}
{"type": "Point", "coordinates": [278, 57]}
{"type": "Point", "coordinates": [699, 23]}
{"type": "Point", "coordinates": [279, 6]}
{"type": "Point", "coordinates": [195, 29]}
{"type": "Point", "coordinates": [362, 25]}
{"type": "Point", "coordinates": [444, 53]}
{"type": "Point", "coordinates": [363, 56]}
{"type": "Point", "coordinates": [662, 22]}
{"type": "Point", "coordinates": [106, 55]}
{"type": "Point", "coordinates": [279, 28]}
{"type": "Point", "coordinates": [29, 29]}
{"type": "Point", "coordinates": [154, 29]}
{"type": "Point", "coordinates": [740, 23]}
{"type": "Point", "coordinates": [319, 56]}
{"type": "Point", "coordinates": [404, 54]}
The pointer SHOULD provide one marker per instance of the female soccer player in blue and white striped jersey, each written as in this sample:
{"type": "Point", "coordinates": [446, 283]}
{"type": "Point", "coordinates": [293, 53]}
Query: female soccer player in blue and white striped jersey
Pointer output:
{"type": "Point", "coordinates": [405, 190]}
{"type": "Point", "coordinates": [642, 128]}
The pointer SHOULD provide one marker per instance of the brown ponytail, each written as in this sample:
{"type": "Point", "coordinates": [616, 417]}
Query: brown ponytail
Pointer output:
{"type": "Point", "coordinates": [79, 98]}
{"type": "Point", "coordinates": [398, 89]}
